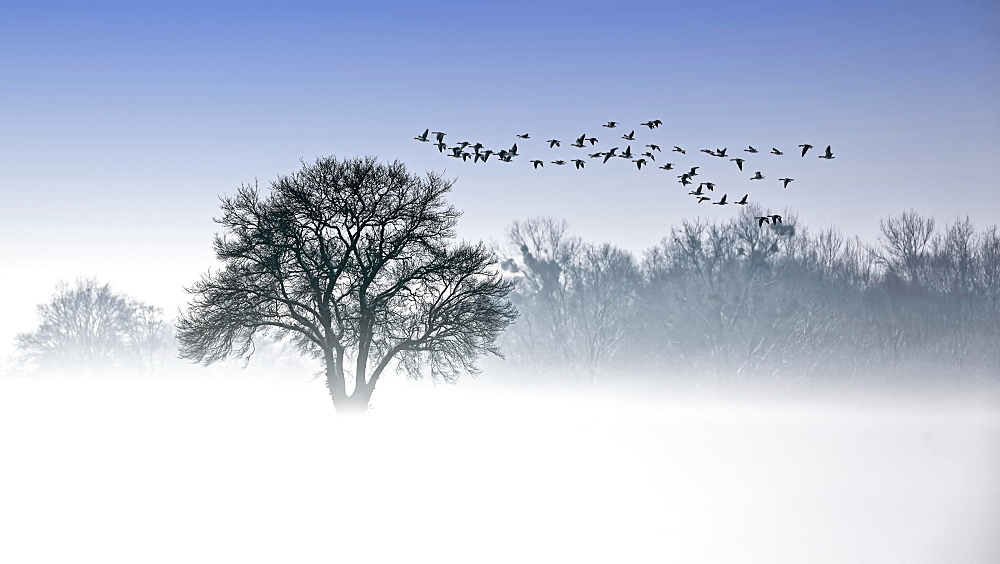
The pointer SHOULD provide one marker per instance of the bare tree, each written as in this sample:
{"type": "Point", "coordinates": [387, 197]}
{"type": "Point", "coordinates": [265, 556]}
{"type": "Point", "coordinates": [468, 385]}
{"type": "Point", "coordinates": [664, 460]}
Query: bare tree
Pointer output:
{"type": "Point", "coordinates": [91, 327]}
{"type": "Point", "coordinates": [353, 260]}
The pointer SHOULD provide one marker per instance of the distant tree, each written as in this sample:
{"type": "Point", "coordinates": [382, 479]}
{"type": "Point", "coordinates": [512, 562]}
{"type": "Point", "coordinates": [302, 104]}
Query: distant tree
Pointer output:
{"type": "Point", "coordinates": [354, 261]}
{"type": "Point", "coordinates": [91, 327]}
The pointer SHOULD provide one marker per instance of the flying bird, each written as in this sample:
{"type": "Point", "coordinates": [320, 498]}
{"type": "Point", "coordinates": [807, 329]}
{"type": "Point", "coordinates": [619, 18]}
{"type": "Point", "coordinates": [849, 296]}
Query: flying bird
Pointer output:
{"type": "Point", "coordinates": [721, 202]}
{"type": "Point", "coordinates": [693, 170]}
{"type": "Point", "coordinates": [709, 185]}
{"type": "Point", "coordinates": [513, 150]}
{"type": "Point", "coordinates": [776, 152]}
{"type": "Point", "coordinates": [697, 191]}
{"type": "Point", "coordinates": [828, 155]}
{"type": "Point", "coordinates": [805, 148]}
{"type": "Point", "coordinates": [553, 143]}
{"type": "Point", "coordinates": [611, 124]}
{"type": "Point", "coordinates": [630, 136]}
{"type": "Point", "coordinates": [703, 198]}
{"type": "Point", "coordinates": [524, 136]}
{"type": "Point", "coordinates": [639, 163]}
{"type": "Point", "coordinates": [785, 181]}
{"type": "Point", "coordinates": [423, 136]}
{"type": "Point", "coordinates": [668, 166]}
{"type": "Point", "coordinates": [775, 219]}
{"type": "Point", "coordinates": [650, 155]}
{"type": "Point", "coordinates": [579, 163]}
{"type": "Point", "coordinates": [654, 147]}
{"type": "Point", "coordinates": [761, 220]}
{"type": "Point", "coordinates": [610, 154]}
{"type": "Point", "coordinates": [757, 176]}
{"type": "Point", "coordinates": [627, 154]}
{"type": "Point", "coordinates": [742, 202]}
{"type": "Point", "coordinates": [439, 135]}
{"type": "Point", "coordinates": [679, 150]}
{"type": "Point", "coordinates": [592, 140]}
{"type": "Point", "coordinates": [441, 146]}
{"type": "Point", "coordinates": [558, 162]}
{"type": "Point", "coordinates": [739, 163]}
{"type": "Point", "coordinates": [538, 163]}
{"type": "Point", "coordinates": [750, 149]}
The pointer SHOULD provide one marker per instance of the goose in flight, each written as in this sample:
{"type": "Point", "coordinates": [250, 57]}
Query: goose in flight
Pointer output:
{"type": "Point", "coordinates": [739, 163]}
{"type": "Point", "coordinates": [668, 166]}
{"type": "Point", "coordinates": [627, 154]}
{"type": "Point", "coordinates": [611, 124]}
{"type": "Point", "coordinates": [679, 150]}
{"type": "Point", "coordinates": [579, 163]}
{"type": "Point", "coordinates": [523, 136]}
{"type": "Point", "coordinates": [654, 147]}
{"type": "Point", "coordinates": [828, 155]}
{"type": "Point", "coordinates": [630, 136]}
{"type": "Point", "coordinates": [537, 163]}
{"type": "Point", "coordinates": [707, 151]}
{"type": "Point", "coordinates": [553, 143]}
{"type": "Point", "coordinates": [650, 155]}
{"type": "Point", "coordinates": [776, 151]}
{"type": "Point", "coordinates": [757, 176]}
{"type": "Point", "coordinates": [558, 162]}
{"type": "Point", "coordinates": [693, 171]}
{"type": "Point", "coordinates": [595, 155]}
{"type": "Point", "coordinates": [750, 149]}
{"type": "Point", "coordinates": [685, 179]}
{"type": "Point", "coordinates": [592, 140]}
{"type": "Point", "coordinates": [742, 202]}
{"type": "Point", "coordinates": [805, 147]}
{"type": "Point", "coordinates": [456, 152]}
{"type": "Point", "coordinates": [439, 135]}
{"type": "Point", "coordinates": [578, 143]}
{"type": "Point", "coordinates": [484, 155]}
{"type": "Point", "coordinates": [761, 220]}
{"type": "Point", "coordinates": [785, 181]}
{"type": "Point", "coordinates": [775, 219]}
{"type": "Point", "coordinates": [697, 191]}
{"type": "Point", "coordinates": [703, 199]}
{"type": "Point", "coordinates": [441, 146]}
{"type": "Point", "coordinates": [721, 202]}
{"type": "Point", "coordinates": [721, 152]}
{"type": "Point", "coordinates": [610, 154]}
{"type": "Point", "coordinates": [639, 163]}
{"type": "Point", "coordinates": [423, 136]}
{"type": "Point", "coordinates": [513, 150]}
{"type": "Point", "coordinates": [476, 147]}
{"type": "Point", "coordinates": [709, 185]}
{"type": "Point", "coordinates": [652, 123]}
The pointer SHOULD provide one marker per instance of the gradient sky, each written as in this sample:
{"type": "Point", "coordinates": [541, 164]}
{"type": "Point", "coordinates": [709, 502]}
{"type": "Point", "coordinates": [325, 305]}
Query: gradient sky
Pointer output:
{"type": "Point", "coordinates": [121, 124]}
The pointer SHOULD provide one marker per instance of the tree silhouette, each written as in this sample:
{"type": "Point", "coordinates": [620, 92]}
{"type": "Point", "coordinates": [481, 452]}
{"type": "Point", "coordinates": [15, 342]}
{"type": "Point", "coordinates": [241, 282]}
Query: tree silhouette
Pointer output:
{"type": "Point", "coordinates": [353, 260]}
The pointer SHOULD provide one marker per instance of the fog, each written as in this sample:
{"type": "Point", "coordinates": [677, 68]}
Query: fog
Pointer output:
{"type": "Point", "coordinates": [230, 466]}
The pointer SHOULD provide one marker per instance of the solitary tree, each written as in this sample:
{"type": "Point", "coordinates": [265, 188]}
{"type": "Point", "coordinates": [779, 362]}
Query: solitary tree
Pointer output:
{"type": "Point", "coordinates": [354, 261]}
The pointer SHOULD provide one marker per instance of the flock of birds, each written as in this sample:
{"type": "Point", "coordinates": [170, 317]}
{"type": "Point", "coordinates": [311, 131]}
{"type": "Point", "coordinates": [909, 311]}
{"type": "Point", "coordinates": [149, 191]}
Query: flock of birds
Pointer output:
{"type": "Point", "coordinates": [466, 150]}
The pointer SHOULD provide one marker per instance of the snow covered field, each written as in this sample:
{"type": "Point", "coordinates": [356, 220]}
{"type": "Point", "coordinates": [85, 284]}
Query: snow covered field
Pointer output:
{"type": "Point", "coordinates": [247, 471]}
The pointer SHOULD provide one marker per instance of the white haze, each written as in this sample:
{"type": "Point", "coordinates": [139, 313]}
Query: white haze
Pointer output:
{"type": "Point", "coordinates": [231, 469]}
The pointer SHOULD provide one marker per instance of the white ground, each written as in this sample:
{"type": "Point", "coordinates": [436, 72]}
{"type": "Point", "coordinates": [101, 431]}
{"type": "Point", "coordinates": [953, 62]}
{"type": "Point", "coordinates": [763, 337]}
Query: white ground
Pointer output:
{"type": "Point", "coordinates": [234, 471]}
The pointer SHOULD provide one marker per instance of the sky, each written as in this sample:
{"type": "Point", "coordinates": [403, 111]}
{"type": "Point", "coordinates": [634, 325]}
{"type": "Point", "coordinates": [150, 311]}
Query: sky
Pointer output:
{"type": "Point", "coordinates": [122, 123]}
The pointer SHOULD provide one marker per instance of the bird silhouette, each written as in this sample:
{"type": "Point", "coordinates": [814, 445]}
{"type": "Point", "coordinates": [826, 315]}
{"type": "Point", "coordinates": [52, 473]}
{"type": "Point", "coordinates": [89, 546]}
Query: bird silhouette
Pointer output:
{"type": "Point", "coordinates": [828, 155]}
{"type": "Point", "coordinates": [654, 147]}
{"type": "Point", "coordinates": [739, 163]}
{"type": "Point", "coordinates": [805, 148]}
{"type": "Point", "coordinates": [439, 135]}
{"type": "Point", "coordinates": [579, 163]}
{"type": "Point", "coordinates": [776, 152]}
{"type": "Point", "coordinates": [596, 155]}
{"type": "Point", "coordinates": [611, 124]}
{"type": "Point", "coordinates": [703, 198]}
{"type": "Point", "coordinates": [693, 171]}
{"type": "Point", "coordinates": [630, 136]}
{"type": "Point", "coordinates": [685, 179]}
{"type": "Point", "coordinates": [775, 219]}
{"type": "Point", "coordinates": [524, 136]}
{"type": "Point", "coordinates": [441, 146]}
{"type": "Point", "coordinates": [423, 136]}
{"type": "Point", "coordinates": [627, 154]}
{"type": "Point", "coordinates": [785, 181]}
{"type": "Point", "coordinates": [709, 185]}
{"type": "Point", "coordinates": [742, 202]}
{"type": "Point", "coordinates": [650, 155]}
{"type": "Point", "coordinates": [697, 191]}
{"type": "Point", "coordinates": [679, 150]}
{"type": "Point", "coordinates": [761, 220]}
{"type": "Point", "coordinates": [757, 176]}
{"type": "Point", "coordinates": [610, 154]}
{"type": "Point", "coordinates": [668, 166]}
{"type": "Point", "coordinates": [558, 162]}
{"type": "Point", "coordinates": [721, 202]}
{"type": "Point", "coordinates": [538, 163]}
{"type": "Point", "coordinates": [553, 143]}
{"type": "Point", "coordinates": [750, 149]}
{"type": "Point", "coordinates": [721, 152]}
{"type": "Point", "coordinates": [639, 163]}
{"type": "Point", "coordinates": [513, 150]}
{"type": "Point", "coordinates": [652, 123]}
{"type": "Point", "coordinates": [708, 151]}
{"type": "Point", "coordinates": [592, 140]}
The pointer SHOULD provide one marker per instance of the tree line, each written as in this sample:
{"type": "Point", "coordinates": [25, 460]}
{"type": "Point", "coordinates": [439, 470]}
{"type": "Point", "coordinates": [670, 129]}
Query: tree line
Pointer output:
{"type": "Point", "coordinates": [733, 300]}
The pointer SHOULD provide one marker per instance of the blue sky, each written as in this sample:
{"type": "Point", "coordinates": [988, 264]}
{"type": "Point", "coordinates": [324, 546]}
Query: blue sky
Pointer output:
{"type": "Point", "coordinates": [122, 123]}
